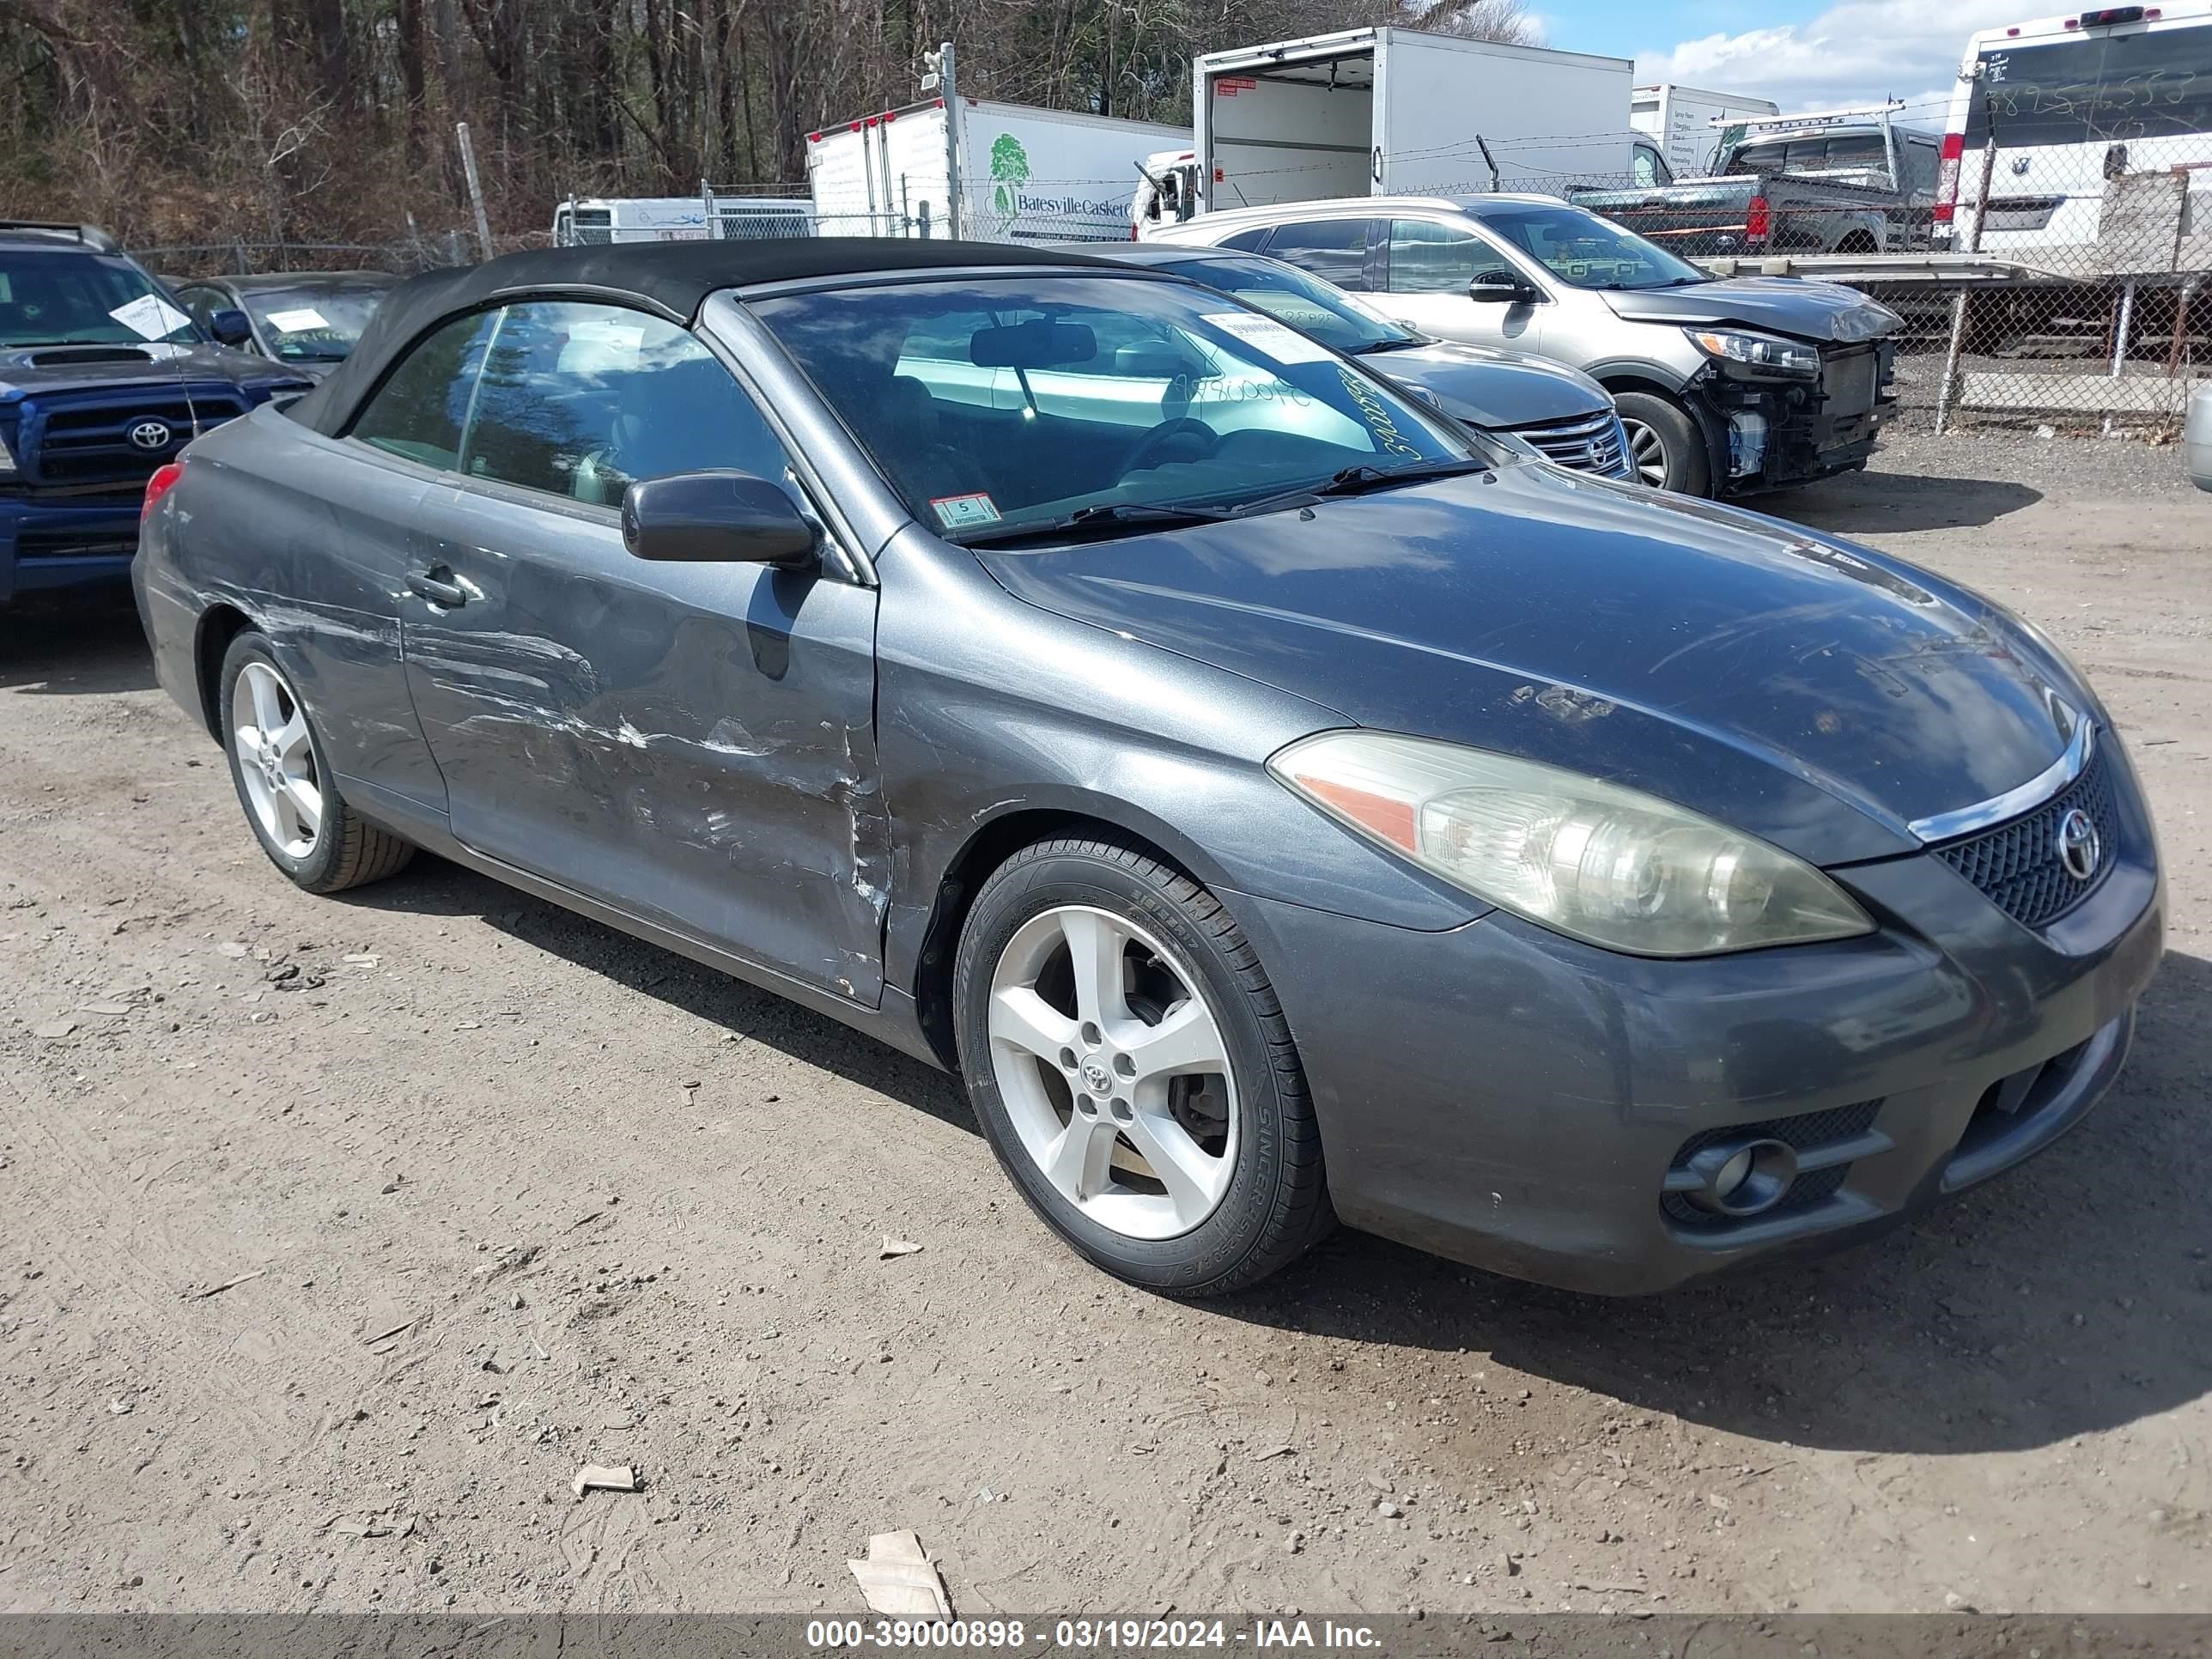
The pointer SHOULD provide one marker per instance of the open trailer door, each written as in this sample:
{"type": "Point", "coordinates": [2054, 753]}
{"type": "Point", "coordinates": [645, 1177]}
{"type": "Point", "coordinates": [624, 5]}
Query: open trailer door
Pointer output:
{"type": "Point", "coordinates": [1290, 122]}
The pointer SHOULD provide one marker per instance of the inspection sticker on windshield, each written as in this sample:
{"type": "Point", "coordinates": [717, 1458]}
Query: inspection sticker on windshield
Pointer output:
{"type": "Point", "coordinates": [298, 322]}
{"type": "Point", "coordinates": [964, 511]}
{"type": "Point", "coordinates": [1284, 344]}
{"type": "Point", "coordinates": [150, 317]}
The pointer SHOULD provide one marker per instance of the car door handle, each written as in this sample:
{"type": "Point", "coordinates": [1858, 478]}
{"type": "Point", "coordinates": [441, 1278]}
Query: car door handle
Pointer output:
{"type": "Point", "coordinates": [437, 588]}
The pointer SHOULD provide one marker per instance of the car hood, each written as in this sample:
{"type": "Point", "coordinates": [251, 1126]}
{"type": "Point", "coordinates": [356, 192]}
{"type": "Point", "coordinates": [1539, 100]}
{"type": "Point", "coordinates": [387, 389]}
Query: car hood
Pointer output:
{"type": "Point", "coordinates": [1826, 312]}
{"type": "Point", "coordinates": [32, 369]}
{"type": "Point", "coordinates": [1492, 388]}
{"type": "Point", "coordinates": [1811, 692]}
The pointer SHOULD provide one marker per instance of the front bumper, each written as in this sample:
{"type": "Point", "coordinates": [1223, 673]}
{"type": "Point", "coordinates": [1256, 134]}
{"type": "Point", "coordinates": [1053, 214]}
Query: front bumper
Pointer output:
{"type": "Point", "coordinates": [1507, 1097]}
{"type": "Point", "coordinates": [1767, 433]}
{"type": "Point", "coordinates": [64, 544]}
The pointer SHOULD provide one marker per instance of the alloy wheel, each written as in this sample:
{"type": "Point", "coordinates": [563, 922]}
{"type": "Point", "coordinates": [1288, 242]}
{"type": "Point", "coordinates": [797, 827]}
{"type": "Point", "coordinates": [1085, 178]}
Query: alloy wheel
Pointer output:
{"type": "Point", "coordinates": [1114, 1071]}
{"type": "Point", "coordinates": [276, 759]}
{"type": "Point", "coordinates": [1647, 450]}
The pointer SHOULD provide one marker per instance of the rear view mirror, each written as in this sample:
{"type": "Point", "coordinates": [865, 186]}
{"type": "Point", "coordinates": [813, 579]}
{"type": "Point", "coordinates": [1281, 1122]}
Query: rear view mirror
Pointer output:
{"type": "Point", "coordinates": [1499, 288]}
{"type": "Point", "coordinates": [1037, 344]}
{"type": "Point", "coordinates": [717, 517]}
{"type": "Point", "coordinates": [230, 327]}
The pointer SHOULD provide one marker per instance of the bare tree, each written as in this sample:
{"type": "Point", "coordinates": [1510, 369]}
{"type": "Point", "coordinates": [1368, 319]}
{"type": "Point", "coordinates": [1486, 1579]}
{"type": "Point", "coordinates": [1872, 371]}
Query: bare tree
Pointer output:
{"type": "Point", "coordinates": [232, 122]}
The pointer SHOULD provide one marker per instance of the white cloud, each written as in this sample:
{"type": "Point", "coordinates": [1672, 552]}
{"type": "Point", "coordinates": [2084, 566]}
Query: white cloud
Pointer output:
{"type": "Point", "coordinates": [1858, 51]}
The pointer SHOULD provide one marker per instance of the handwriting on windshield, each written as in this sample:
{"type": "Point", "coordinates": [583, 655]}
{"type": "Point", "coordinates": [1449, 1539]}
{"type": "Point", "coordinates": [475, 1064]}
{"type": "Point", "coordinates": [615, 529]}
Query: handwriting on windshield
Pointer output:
{"type": "Point", "coordinates": [2127, 106]}
{"type": "Point", "coordinates": [1373, 410]}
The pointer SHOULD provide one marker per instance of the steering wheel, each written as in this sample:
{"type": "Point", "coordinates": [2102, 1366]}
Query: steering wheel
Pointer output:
{"type": "Point", "coordinates": [1144, 455]}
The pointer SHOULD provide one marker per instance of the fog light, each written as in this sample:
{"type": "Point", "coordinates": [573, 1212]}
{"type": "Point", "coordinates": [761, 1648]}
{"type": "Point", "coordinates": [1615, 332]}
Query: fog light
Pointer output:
{"type": "Point", "coordinates": [1743, 1177]}
{"type": "Point", "coordinates": [1730, 1175]}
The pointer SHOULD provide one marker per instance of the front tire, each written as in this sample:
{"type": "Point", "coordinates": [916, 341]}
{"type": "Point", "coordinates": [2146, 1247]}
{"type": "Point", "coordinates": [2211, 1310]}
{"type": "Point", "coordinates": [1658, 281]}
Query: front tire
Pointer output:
{"type": "Point", "coordinates": [1666, 443]}
{"type": "Point", "coordinates": [291, 800]}
{"type": "Point", "coordinates": [1133, 1070]}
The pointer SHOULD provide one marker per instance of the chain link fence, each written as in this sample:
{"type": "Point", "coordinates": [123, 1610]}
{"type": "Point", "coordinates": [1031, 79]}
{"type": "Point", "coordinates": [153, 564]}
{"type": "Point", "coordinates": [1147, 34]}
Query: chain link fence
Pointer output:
{"type": "Point", "coordinates": [2082, 301]}
{"type": "Point", "coordinates": [240, 257]}
{"type": "Point", "coordinates": [2066, 289]}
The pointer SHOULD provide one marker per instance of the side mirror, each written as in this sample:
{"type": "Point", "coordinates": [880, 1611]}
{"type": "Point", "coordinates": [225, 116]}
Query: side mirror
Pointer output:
{"type": "Point", "coordinates": [1499, 288]}
{"type": "Point", "coordinates": [717, 517]}
{"type": "Point", "coordinates": [231, 327]}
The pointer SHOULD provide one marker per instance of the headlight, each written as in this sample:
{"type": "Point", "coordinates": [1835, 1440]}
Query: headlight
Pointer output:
{"type": "Point", "coordinates": [1609, 866]}
{"type": "Point", "coordinates": [1760, 351]}
{"type": "Point", "coordinates": [7, 459]}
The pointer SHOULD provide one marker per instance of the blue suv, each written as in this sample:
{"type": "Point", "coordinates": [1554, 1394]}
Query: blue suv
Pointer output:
{"type": "Point", "coordinates": [103, 378]}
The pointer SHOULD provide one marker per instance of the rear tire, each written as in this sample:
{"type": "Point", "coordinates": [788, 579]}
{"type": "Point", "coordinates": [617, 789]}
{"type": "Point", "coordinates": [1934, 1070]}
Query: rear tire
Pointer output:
{"type": "Point", "coordinates": [1666, 443]}
{"type": "Point", "coordinates": [1170, 1054]}
{"type": "Point", "coordinates": [291, 800]}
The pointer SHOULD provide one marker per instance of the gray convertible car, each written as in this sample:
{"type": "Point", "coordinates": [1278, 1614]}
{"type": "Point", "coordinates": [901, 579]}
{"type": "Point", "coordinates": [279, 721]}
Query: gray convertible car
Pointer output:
{"type": "Point", "coordinates": [1278, 804]}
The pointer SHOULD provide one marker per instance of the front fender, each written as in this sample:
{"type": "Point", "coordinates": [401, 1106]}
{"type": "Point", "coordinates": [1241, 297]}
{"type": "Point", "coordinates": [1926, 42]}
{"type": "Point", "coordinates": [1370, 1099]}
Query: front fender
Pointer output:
{"type": "Point", "coordinates": [989, 708]}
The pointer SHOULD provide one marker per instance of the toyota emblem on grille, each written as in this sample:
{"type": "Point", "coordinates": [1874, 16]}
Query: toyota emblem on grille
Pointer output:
{"type": "Point", "coordinates": [2080, 846]}
{"type": "Point", "coordinates": [151, 434]}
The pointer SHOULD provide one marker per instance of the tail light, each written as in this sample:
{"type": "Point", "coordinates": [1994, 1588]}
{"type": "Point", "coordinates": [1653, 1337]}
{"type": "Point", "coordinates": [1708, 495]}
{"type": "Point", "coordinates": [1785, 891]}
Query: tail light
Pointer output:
{"type": "Point", "coordinates": [1758, 221]}
{"type": "Point", "coordinates": [1946, 177]}
{"type": "Point", "coordinates": [163, 481]}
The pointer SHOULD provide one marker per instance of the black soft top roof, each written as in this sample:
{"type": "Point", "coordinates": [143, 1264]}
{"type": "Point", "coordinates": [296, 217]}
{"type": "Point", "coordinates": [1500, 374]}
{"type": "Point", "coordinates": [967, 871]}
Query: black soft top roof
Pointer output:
{"type": "Point", "coordinates": [670, 278]}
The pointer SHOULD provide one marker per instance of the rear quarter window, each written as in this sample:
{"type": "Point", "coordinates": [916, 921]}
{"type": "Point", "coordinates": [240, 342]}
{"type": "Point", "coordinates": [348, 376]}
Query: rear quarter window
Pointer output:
{"type": "Point", "coordinates": [419, 411]}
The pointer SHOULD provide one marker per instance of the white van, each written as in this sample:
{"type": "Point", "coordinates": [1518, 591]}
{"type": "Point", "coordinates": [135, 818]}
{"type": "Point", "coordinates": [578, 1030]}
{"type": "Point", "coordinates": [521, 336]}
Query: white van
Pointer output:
{"type": "Point", "coordinates": [583, 220]}
{"type": "Point", "coordinates": [2074, 103]}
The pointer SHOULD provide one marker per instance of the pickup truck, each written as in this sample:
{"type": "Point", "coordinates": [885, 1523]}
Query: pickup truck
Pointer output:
{"type": "Point", "coordinates": [1793, 185]}
{"type": "Point", "coordinates": [103, 379]}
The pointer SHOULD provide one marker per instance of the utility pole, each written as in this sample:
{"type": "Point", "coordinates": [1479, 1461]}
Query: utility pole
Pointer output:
{"type": "Point", "coordinates": [475, 186]}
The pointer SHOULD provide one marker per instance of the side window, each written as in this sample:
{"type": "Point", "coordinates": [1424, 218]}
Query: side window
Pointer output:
{"type": "Point", "coordinates": [1922, 163]}
{"type": "Point", "coordinates": [419, 410]}
{"type": "Point", "coordinates": [582, 401]}
{"type": "Point", "coordinates": [201, 304]}
{"type": "Point", "coordinates": [1248, 241]}
{"type": "Point", "coordinates": [1649, 167]}
{"type": "Point", "coordinates": [1334, 250]}
{"type": "Point", "coordinates": [1426, 258]}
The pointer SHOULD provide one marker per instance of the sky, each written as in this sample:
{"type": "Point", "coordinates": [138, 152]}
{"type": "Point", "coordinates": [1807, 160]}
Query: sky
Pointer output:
{"type": "Point", "coordinates": [1803, 54]}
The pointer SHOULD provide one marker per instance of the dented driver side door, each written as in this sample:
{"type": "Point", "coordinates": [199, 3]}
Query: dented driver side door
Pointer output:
{"type": "Point", "coordinates": [692, 744]}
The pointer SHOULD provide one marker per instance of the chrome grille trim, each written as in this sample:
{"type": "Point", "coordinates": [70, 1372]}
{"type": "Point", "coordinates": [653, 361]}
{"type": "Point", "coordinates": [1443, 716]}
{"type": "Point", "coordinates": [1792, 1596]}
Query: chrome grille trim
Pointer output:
{"type": "Point", "coordinates": [1944, 826]}
{"type": "Point", "coordinates": [1587, 443]}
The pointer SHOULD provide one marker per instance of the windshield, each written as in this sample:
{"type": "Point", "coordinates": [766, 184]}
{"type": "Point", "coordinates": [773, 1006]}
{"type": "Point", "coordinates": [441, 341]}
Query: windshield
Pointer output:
{"type": "Point", "coordinates": [989, 403]}
{"type": "Point", "coordinates": [316, 325]}
{"type": "Point", "coordinates": [1584, 250]}
{"type": "Point", "coordinates": [1329, 314]}
{"type": "Point", "coordinates": [2099, 88]}
{"type": "Point", "coordinates": [69, 298]}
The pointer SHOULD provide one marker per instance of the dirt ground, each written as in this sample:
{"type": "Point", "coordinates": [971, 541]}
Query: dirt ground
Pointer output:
{"type": "Point", "coordinates": [336, 1234]}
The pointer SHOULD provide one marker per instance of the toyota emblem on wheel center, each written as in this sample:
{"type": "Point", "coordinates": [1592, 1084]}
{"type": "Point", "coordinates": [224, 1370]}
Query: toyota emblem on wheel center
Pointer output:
{"type": "Point", "coordinates": [151, 434]}
{"type": "Point", "coordinates": [2080, 846]}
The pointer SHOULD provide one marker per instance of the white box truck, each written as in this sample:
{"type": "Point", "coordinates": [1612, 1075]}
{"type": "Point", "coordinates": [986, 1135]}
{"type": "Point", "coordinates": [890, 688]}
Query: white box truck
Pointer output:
{"type": "Point", "coordinates": [967, 166]}
{"type": "Point", "coordinates": [1690, 126]}
{"type": "Point", "coordinates": [1393, 112]}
